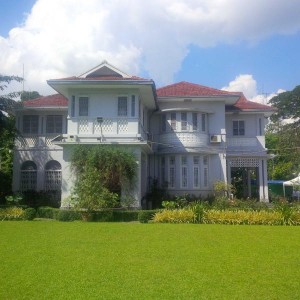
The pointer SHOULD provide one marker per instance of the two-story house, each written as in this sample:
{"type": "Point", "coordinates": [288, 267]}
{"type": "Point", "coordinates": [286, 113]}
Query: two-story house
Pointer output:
{"type": "Point", "coordinates": [184, 135]}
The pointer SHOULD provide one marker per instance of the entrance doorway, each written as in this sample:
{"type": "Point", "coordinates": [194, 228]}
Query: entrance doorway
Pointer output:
{"type": "Point", "coordinates": [246, 182]}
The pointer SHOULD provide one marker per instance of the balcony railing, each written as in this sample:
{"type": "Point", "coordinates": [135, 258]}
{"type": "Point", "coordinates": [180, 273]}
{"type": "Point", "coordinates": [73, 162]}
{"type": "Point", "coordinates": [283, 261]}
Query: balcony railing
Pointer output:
{"type": "Point", "coordinates": [106, 126]}
{"type": "Point", "coordinates": [196, 139]}
{"type": "Point", "coordinates": [35, 141]}
{"type": "Point", "coordinates": [246, 142]}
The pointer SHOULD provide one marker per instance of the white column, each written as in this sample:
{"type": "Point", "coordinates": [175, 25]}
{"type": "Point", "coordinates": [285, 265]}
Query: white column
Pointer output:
{"type": "Point", "coordinates": [265, 174]}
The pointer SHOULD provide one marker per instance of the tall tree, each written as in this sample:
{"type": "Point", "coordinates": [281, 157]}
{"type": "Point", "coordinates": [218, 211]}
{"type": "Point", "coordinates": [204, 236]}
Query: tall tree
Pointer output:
{"type": "Point", "coordinates": [27, 95]}
{"type": "Point", "coordinates": [7, 134]}
{"type": "Point", "coordinates": [283, 138]}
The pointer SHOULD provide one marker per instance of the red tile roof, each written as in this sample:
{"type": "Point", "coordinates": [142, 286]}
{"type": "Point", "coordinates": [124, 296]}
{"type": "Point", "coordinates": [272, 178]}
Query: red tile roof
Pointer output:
{"type": "Point", "coordinates": [56, 100]}
{"type": "Point", "coordinates": [244, 104]}
{"type": "Point", "coordinates": [185, 89]}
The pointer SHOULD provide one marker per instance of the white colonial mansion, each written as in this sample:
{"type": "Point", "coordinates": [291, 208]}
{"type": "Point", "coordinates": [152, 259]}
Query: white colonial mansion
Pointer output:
{"type": "Point", "coordinates": [185, 135]}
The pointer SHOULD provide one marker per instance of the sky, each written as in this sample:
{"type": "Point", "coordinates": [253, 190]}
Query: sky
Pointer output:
{"type": "Point", "coordinates": [248, 46]}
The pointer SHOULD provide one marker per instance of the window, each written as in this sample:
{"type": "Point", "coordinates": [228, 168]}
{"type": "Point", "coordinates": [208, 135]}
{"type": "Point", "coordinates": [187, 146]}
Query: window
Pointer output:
{"type": "Point", "coordinates": [203, 124]}
{"type": "Point", "coordinates": [173, 121]}
{"type": "Point", "coordinates": [28, 176]}
{"type": "Point", "coordinates": [260, 126]}
{"type": "Point", "coordinates": [73, 107]}
{"type": "Point", "coordinates": [122, 106]}
{"type": "Point", "coordinates": [163, 170]}
{"type": "Point", "coordinates": [195, 121]}
{"type": "Point", "coordinates": [163, 123]}
{"type": "Point", "coordinates": [183, 121]}
{"type": "Point", "coordinates": [238, 127]}
{"type": "Point", "coordinates": [53, 176]}
{"type": "Point", "coordinates": [205, 171]}
{"type": "Point", "coordinates": [196, 172]}
{"type": "Point", "coordinates": [133, 105]}
{"type": "Point", "coordinates": [184, 172]}
{"type": "Point", "coordinates": [30, 124]}
{"type": "Point", "coordinates": [83, 106]}
{"type": "Point", "coordinates": [172, 172]}
{"type": "Point", "coordinates": [54, 124]}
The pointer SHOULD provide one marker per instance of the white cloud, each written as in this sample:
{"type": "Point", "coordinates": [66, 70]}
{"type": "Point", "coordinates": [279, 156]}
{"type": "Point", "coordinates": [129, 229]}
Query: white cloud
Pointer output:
{"type": "Point", "coordinates": [246, 84]}
{"type": "Point", "coordinates": [243, 83]}
{"type": "Point", "coordinates": [67, 37]}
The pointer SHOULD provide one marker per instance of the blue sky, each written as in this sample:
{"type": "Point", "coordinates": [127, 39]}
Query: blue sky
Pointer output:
{"type": "Point", "coordinates": [255, 51]}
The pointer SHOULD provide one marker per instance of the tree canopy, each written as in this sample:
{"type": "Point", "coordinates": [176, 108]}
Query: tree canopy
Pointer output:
{"type": "Point", "coordinates": [287, 105]}
{"type": "Point", "coordinates": [7, 135]}
{"type": "Point", "coordinates": [27, 95]}
{"type": "Point", "coordinates": [283, 138]}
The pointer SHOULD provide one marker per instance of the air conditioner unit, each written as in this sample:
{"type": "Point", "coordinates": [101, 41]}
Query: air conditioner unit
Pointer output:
{"type": "Point", "coordinates": [72, 139]}
{"type": "Point", "coordinates": [215, 138]}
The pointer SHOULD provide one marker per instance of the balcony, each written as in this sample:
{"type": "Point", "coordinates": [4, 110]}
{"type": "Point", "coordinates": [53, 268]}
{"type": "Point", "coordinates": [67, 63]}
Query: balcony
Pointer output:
{"type": "Point", "coordinates": [35, 141]}
{"type": "Point", "coordinates": [245, 143]}
{"type": "Point", "coordinates": [184, 139]}
{"type": "Point", "coordinates": [107, 127]}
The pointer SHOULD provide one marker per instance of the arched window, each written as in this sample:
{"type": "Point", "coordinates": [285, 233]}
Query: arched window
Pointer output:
{"type": "Point", "coordinates": [28, 176]}
{"type": "Point", "coordinates": [53, 176]}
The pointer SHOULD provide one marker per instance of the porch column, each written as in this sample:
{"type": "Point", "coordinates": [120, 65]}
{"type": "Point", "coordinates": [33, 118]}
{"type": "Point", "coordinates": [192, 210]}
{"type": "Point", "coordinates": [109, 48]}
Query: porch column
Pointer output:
{"type": "Point", "coordinates": [263, 181]}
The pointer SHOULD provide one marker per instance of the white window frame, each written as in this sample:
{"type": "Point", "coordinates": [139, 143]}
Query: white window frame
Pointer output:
{"type": "Point", "coordinates": [173, 121]}
{"type": "Point", "coordinates": [240, 129]}
{"type": "Point", "coordinates": [196, 167]}
{"type": "Point", "coordinates": [82, 110]}
{"type": "Point", "coordinates": [122, 106]}
{"type": "Point", "coordinates": [203, 122]}
{"type": "Point", "coordinates": [184, 172]}
{"type": "Point", "coordinates": [184, 121]}
{"type": "Point", "coordinates": [205, 160]}
{"type": "Point", "coordinates": [57, 119]}
{"type": "Point", "coordinates": [32, 122]}
{"type": "Point", "coordinates": [195, 121]}
{"type": "Point", "coordinates": [172, 172]}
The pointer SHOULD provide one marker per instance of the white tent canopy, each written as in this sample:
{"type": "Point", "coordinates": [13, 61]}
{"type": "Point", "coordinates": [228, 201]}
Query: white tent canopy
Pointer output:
{"type": "Point", "coordinates": [293, 182]}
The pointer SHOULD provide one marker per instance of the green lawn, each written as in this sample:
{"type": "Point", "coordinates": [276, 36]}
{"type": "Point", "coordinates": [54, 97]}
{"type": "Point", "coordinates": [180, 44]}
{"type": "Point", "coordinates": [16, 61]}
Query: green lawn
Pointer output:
{"type": "Point", "coordinates": [82, 260]}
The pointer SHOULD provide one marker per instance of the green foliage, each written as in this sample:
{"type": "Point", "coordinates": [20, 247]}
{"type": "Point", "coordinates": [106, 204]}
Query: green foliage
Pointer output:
{"type": "Point", "coordinates": [102, 216]}
{"type": "Point", "coordinates": [144, 216]}
{"type": "Point", "coordinates": [156, 195]}
{"type": "Point", "coordinates": [125, 215]}
{"type": "Point", "coordinates": [11, 213]}
{"type": "Point", "coordinates": [182, 215]}
{"type": "Point", "coordinates": [287, 104]}
{"type": "Point", "coordinates": [239, 217]}
{"type": "Point", "coordinates": [47, 212]}
{"type": "Point", "coordinates": [101, 172]}
{"type": "Point", "coordinates": [223, 189]}
{"type": "Point", "coordinates": [29, 214]}
{"type": "Point", "coordinates": [66, 215]}
{"type": "Point", "coordinates": [284, 140]}
{"type": "Point", "coordinates": [27, 95]}
{"type": "Point", "coordinates": [14, 199]}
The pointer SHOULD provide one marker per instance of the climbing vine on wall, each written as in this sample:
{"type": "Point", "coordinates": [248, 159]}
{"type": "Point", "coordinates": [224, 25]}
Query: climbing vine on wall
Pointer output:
{"type": "Point", "coordinates": [102, 171]}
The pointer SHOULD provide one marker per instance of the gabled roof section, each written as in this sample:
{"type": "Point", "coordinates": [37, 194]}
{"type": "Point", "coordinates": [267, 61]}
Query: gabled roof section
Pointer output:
{"type": "Point", "coordinates": [186, 89]}
{"type": "Point", "coordinates": [104, 70]}
{"type": "Point", "coordinates": [245, 105]}
{"type": "Point", "coordinates": [55, 100]}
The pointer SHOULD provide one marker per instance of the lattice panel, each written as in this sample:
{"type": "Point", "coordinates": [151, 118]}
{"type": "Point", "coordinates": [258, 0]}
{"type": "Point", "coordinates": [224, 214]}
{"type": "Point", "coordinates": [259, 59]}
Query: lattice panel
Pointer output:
{"type": "Point", "coordinates": [53, 180]}
{"type": "Point", "coordinates": [244, 162]}
{"type": "Point", "coordinates": [83, 126]}
{"type": "Point", "coordinates": [32, 141]}
{"type": "Point", "coordinates": [48, 140]}
{"type": "Point", "coordinates": [107, 126]}
{"type": "Point", "coordinates": [122, 125]}
{"type": "Point", "coordinates": [28, 180]}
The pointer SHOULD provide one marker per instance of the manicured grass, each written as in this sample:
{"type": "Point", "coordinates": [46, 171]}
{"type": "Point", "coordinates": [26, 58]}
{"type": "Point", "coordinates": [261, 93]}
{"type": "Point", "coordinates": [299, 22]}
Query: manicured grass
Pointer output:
{"type": "Point", "coordinates": [56, 260]}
